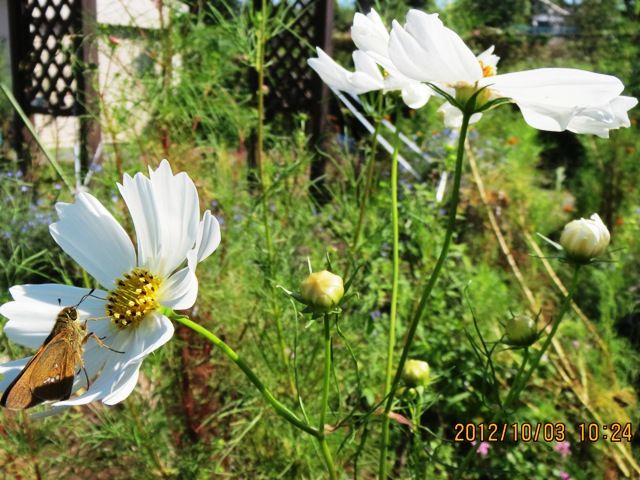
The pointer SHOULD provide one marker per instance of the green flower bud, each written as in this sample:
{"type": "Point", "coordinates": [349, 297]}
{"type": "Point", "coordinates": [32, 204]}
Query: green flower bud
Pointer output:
{"type": "Point", "coordinates": [585, 239]}
{"type": "Point", "coordinates": [322, 290]}
{"type": "Point", "coordinates": [416, 372]}
{"type": "Point", "coordinates": [464, 92]}
{"type": "Point", "coordinates": [521, 331]}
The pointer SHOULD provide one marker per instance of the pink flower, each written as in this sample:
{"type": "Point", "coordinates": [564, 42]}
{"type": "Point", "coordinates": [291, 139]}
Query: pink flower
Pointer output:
{"type": "Point", "coordinates": [483, 449]}
{"type": "Point", "coordinates": [563, 448]}
{"type": "Point", "coordinates": [564, 475]}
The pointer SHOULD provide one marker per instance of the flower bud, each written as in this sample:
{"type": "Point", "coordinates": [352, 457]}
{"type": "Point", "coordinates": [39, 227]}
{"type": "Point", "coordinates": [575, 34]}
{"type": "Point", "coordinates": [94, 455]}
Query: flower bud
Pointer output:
{"type": "Point", "coordinates": [416, 372]}
{"type": "Point", "coordinates": [585, 239]}
{"type": "Point", "coordinates": [521, 331]}
{"type": "Point", "coordinates": [322, 290]}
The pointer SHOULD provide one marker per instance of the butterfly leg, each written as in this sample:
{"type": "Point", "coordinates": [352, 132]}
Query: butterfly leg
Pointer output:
{"type": "Point", "coordinates": [99, 342]}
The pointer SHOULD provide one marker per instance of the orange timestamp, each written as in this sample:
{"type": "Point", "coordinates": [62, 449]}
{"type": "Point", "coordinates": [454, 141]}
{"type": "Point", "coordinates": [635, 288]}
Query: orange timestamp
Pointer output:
{"type": "Point", "coordinates": [540, 432]}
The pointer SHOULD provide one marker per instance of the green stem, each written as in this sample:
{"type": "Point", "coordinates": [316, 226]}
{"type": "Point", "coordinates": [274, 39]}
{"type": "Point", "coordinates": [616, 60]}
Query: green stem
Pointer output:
{"type": "Point", "coordinates": [56, 166]}
{"type": "Point", "coordinates": [521, 380]}
{"type": "Point", "coordinates": [394, 299]}
{"type": "Point", "coordinates": [280, 409]}
{"type": "Point", "coordinates": [369, 177]}
{"type": "Point", "coordinates": [517, 388]}
{"type": "Point", "coordinates": [261, 43]}
{"type": "Point", "coordinates": [326, 372]}
{"type": "Point", "coordinates": [260, 161]}
{"type": "Point", "coordinates": [426, 292]}
{"type": "Point", "coordinates": [326, 379]}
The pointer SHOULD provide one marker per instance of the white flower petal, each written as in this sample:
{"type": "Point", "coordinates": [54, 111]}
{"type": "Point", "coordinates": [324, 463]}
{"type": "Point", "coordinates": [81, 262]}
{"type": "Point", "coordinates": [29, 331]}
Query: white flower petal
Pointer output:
{"type": "Point", "coordinates": [561, 87]}
{"type": "Point", "coordinates": [165, 213]}
{"type": "Point", "coordinates": [90, 235]}
{"type": "Point", "coordinates": [453, 116]}
{"type": "Point", "coordinates": [331, 73]}
{"type": "Point", "coordinates": [364, 64]}
{"type": "Point", "coordinates": [599, 120]}
{"type": "Point", "coordinates": [33, 312]}
{"type": "Point", "coordinates": [153, 332]}
{"type": "Point", "coordinates": [180, 290]}
{"type": "Point", "coordinates": [547, 117]}
{"type": "Point", "coordinates": [208, 236]}
{"type": "Point", "coordinates": [447, 57]}
{"type": "Point", "coordinates": [550, 98]}
{"type": "Point", "coordinates": [125, 385]}
{"type": "Point", "coordinates": [407, 55]}
{"type": "Point", "coordinates": [488, 58]}
{"type": "Point", "coordinates": [10, 371]}
{"type": "Point", "coordinates": [369, 33]}
{"type": "Point", "coordinates": [415, 95]}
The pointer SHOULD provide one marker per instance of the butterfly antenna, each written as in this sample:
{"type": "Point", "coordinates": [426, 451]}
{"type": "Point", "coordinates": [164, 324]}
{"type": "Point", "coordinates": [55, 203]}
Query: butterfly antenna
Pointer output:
{"type": "Point", "coordinates": [85, 297]}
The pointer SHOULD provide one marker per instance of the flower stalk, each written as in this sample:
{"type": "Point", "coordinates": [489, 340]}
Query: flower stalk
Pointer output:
{"type": "Point", "coordinates": [369, 176]}
{"type": "Point", "coordinates": [326, 380]}
{"type": "Point", "coordinates": [393, 314]}
{"type": "Point", "coordinates": [519, 385]}
{"type": "Point", "coordinates": [428, 288]}
{"type": "Point", "coordinates": [280, 408]}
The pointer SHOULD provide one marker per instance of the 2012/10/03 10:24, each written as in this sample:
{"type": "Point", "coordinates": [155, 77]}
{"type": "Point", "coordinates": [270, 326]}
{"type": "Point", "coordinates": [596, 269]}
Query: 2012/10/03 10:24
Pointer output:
{"type": "Point", "coordinates": [546, 432]}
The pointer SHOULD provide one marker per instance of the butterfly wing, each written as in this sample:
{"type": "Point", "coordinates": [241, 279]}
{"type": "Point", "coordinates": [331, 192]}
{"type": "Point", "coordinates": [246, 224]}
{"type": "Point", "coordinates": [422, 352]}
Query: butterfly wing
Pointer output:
{"type": "Point", "coordinates": [53, 377]}
{"type": "Point", "coordinates": [18, 394]}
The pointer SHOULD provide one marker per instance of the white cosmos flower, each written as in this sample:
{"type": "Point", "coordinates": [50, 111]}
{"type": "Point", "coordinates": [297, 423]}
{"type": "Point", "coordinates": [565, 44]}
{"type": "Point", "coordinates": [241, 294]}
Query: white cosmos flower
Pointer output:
{"type": "Point", "coordinates": [553, 99]}
{"type": "Point", "coordinates": [371, 37]}
{"type": "Point", "coordinates": [171, 241]}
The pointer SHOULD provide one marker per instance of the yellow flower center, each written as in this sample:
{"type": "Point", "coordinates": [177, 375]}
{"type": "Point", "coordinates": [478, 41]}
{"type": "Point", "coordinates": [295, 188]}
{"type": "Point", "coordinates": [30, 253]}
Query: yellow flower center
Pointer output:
{"type": "Point", "coordinates": [487, 70]}
{"type": "Point", "coordinates": [133, 297]}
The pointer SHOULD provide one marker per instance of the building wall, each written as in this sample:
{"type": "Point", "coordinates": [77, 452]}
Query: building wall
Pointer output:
{"type": "Point", "coordinates": [115, 64]}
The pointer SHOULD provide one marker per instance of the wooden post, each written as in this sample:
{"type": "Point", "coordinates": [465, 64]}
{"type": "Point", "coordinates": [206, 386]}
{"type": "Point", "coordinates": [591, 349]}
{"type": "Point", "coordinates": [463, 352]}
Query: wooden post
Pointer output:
{"type": "Point", "coordinates": [90, 134]}
{"type": "Point", "coordinates": [17, 47]}
{"type": "Point", "coordinates": [320, 106]}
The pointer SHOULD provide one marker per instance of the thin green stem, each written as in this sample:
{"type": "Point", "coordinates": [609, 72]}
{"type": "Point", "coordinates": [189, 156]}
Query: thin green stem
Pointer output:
{"type": "Point", "coordinates": [394, 299]}
{"type": "Point", "coordinates": [426, 292]}
{"type": "Point", "coordinates": [326, 380]}
{"type": "Point", "coordinates": [280, 408]}
{"type": "Point", "coordinates": [371, 162]}
{"type": "Point", "coordinates": [326, 377]}
{"type": "Point", "coordinates": [521, 380]}
{"type": "Point", "coordinates": [260, 67]}
{"type": "Point", "coordinates": [261, 43]}
{"type": "Point", "coordinates": [54, 163]}
{"type": "Point", "coordinates": [328, 458]}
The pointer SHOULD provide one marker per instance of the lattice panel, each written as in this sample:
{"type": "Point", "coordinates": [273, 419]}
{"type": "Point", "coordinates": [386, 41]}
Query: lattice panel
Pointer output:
{"type": "Point", "coordinates": [49, 34]}
{"type": "Point", "coordinates": [290, 80]}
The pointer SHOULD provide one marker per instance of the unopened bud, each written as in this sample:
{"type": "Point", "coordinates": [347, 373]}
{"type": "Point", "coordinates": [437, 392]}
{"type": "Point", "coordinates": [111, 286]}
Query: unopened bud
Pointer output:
{"type": "Point", "coordinates": [585, 239]}
{"type": "Point", "coordinates": [521, 331]}
{"type": "Point", "coordinates": [322, 290]}
{"type": "Point", "coordinates": [416, 373]}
